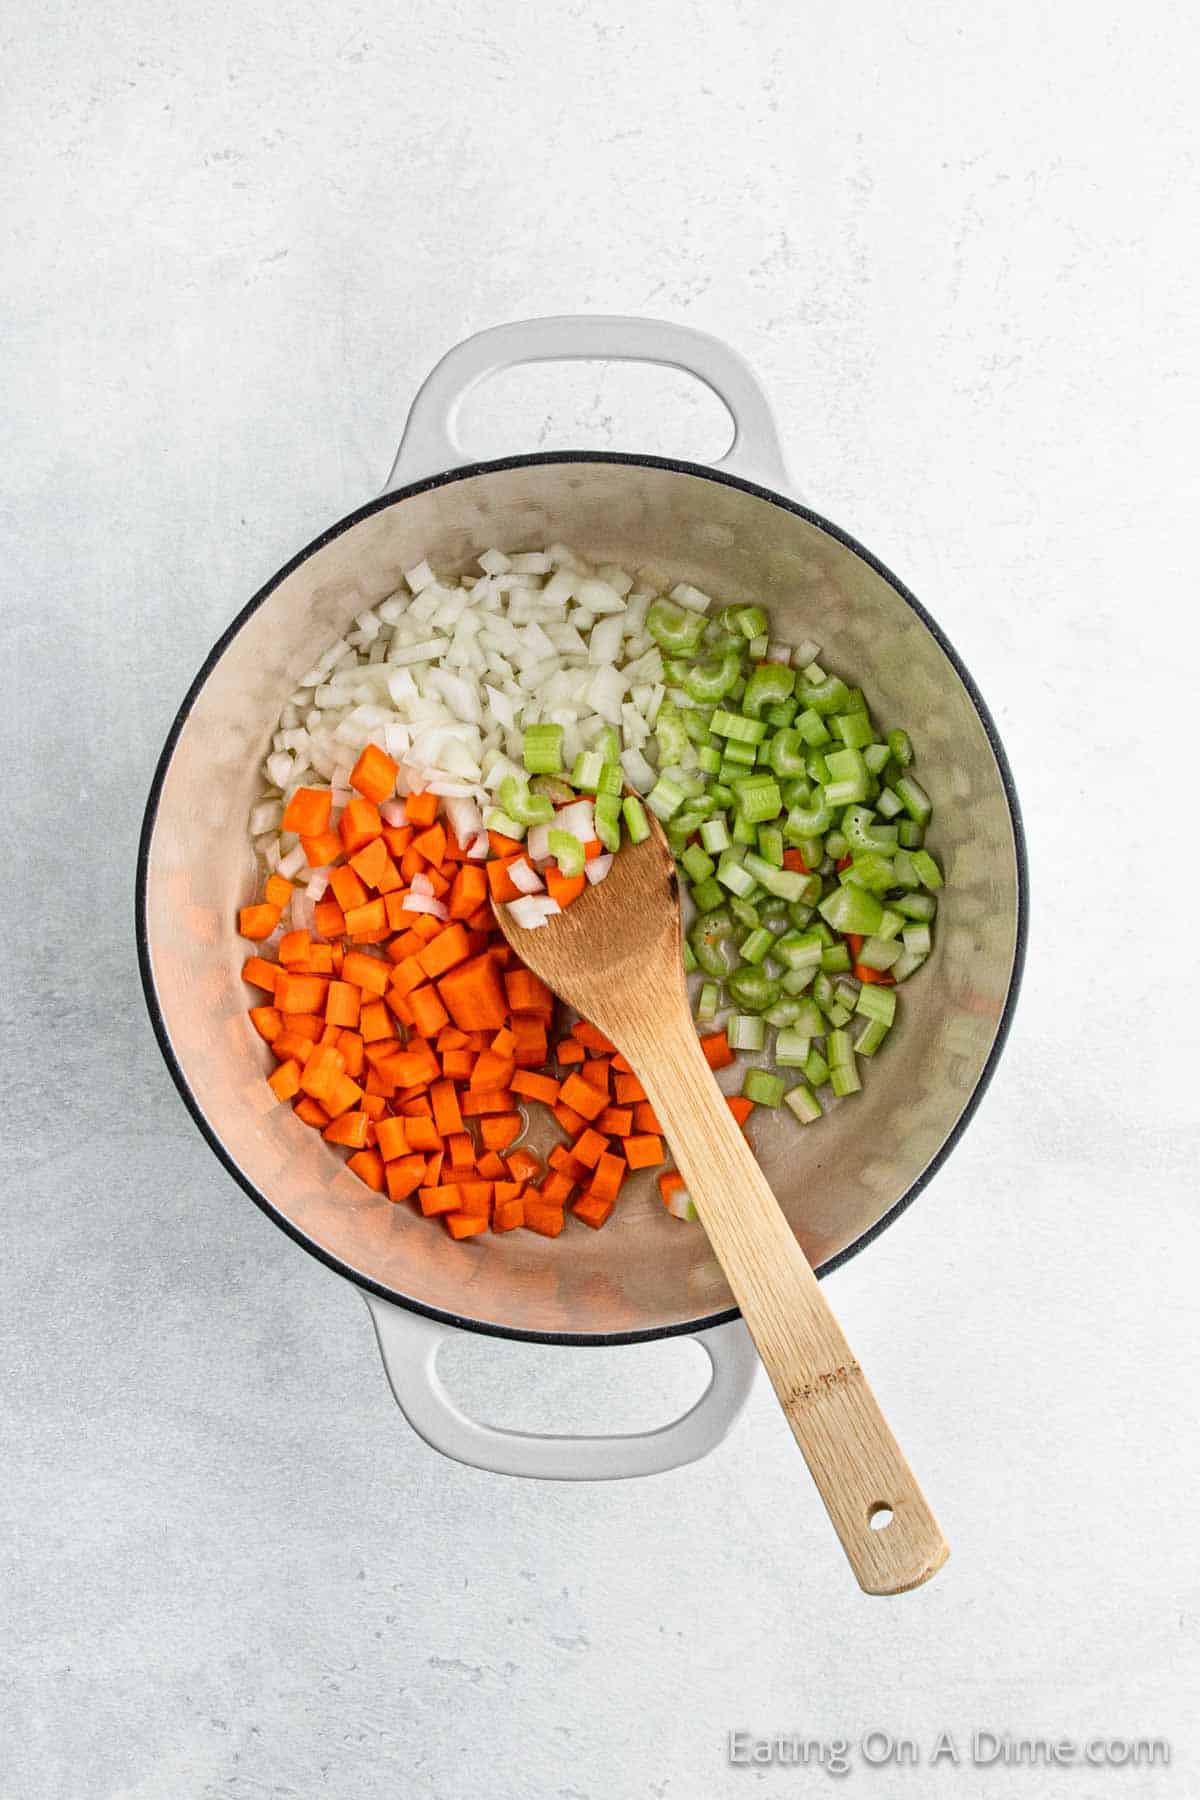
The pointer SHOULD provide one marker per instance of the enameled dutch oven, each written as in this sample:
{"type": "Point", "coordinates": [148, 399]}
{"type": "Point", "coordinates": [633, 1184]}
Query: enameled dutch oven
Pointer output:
{"type": "Point", "coordinates": [733, 530]}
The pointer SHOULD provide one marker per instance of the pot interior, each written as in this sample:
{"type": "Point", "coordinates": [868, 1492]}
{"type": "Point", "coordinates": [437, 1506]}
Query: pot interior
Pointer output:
{"type": "Point", "coordinates": [646, 1272]}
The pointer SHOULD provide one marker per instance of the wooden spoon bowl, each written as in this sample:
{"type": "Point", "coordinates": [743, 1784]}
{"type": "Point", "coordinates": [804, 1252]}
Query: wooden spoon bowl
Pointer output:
{"type": "Point", "coordinates": [616, 957]}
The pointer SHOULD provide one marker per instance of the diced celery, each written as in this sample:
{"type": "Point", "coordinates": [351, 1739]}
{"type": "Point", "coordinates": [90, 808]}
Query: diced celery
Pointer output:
{"type": "Point", "coordinates": [801, 1101]}
{"type": "Point", "coordinates": [634, 815]}
{"type": "Point", "coordinates": [541, 749]}
{"type": "Point", "coordinates": [746, 1031]}
{"type": "Point", "coordinates": [763, 1088]}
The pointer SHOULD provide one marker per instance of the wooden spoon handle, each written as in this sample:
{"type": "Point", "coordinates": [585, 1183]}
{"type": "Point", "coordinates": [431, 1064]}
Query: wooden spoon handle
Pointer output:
{"type": "Point", "coordinates": [855, 1461]}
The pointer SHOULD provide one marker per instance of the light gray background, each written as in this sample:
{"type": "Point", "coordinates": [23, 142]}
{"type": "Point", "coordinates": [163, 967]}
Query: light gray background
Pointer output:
{"type": "Point", "coordinates": [959, 251]}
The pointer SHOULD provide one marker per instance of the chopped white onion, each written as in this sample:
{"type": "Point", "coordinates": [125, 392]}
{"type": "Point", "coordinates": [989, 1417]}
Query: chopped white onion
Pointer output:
{"type": "Point", "coordinates": [478, 848]}
{"type": "Point", "coordinates": [421, 884]}
{"type": "Point", "coordinates": [426, 903]}
{"type": "Point", "coordinates": [532, 910]}
{"type": "Point", "coordinates": [595, 871]}
{"type": "Point", "coordinates": [394, 813]}
{"type": "Point", "coordinates": [526, 879]}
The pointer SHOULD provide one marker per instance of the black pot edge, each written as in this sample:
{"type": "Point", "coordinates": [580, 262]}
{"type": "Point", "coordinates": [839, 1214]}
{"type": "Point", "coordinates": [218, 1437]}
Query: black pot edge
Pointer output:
{"type": "Point", "coordinates": [582, 1339]}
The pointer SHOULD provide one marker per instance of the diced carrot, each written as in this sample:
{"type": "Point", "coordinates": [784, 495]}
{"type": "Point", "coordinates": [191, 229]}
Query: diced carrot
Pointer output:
{"type": "Point", "coordinates": [461, 1150]}
{"type": "Point", "coordinates": [501, 845]}
{"type": "Point", "coordinates": [260, 973]}
{"type": "Point", "coordinates": [557, 1188]}
{"type": "Point", "coordinates": [300, 993]}
{"type": "Point", "coordinates": [369, 921]}
{"type": "Point", "coordinates": [874, 977]}
{"type": "Point", "coordinates": [583, 1097]}
{"type": "Point", "coordinates": [348, 888]}
{"type": "Point", "coordinates": [526, 993]}
{"type": "Point", "coordinates": [621, 1065]}
{"type": "Point", "coordinates": [359, 823]}
{"type": "Point", "coordinates": [422, 1133]}
{"type": "Point", "coordinates": [645, 1118]}
{"type": "Point", "coordinates": [445, 951]}
{"type": "Point", "coordinates": [370, 862]}
{"type": "Point", "coordinates": [328, 918]}
{"type": "Point", "coordinates": [408, 975]}
{"type": "Point", "coordinates": [457, 1064]}
{"type": "Point", "coordinates": [566, 889]}
{"type": "Point", "coordinates": [293, 950]}
{"type": "Point", "coordinates": [443, 1199]}
{"type": "Point", "coordinates": [596, 1072]}
{"type": "Point", "coordinates": [267, 1021]}
{"type": "Point", "coordinates": [433, 1169]}
{"type": "Point", "coordinates": [366, 972]}
{"type": "Point", "coordinates": [320, 852]}
{"type": "Point", "coordinates": [351, 1046]}
{"type": "Point", "coordinates": [669, 1182]}
{"type": "Point", "coordinates": [397, 838]}
{"type": "Point", "coordinates": [343, 1095]}
{"type": "Point", "coordinates": [374, 774]}
{"type": "Point", "coordinates": [292, 1044]}
{"type": "Point", "coordinates": [490, 1165]}
{"type": "Point", "coordinates": [535, 1086]}
{"type": "Point", "coordinates": [429, 1015]}
{"type": "Point", "coordinates": [466, 1225]}
{"type": "Point", "coordinates": [374, 1105]}
{"type": "Point", "coordinates": [792, 859]}
{"type": "Point", "coordinates": [278, 891]}
{"type": "Point", "coordinates": [610, 1173]}
{"type": "Point", "coordinates": [485, 1100]}
{"type": "Point", "coordinates": [417, 1107]}
{"type": "Point", "coordinates": [492, 1071]}
{"type": "Point", "coordinates": [530, 1034]}
{"type": "Point", "coordinates": [592, 849]}
{"type": "Point", "coordinates": [616, 1120]}
{"type": "Point", "coordinates": [284, 1081]}
{"type": "Point", "coordinates": [508, 1215]}
{"type": "Point", "coordinates": [391, 1138]}
{"type": "Point", "coordinates": [739, 1106]}
{"type": "Point", "coordinates": [307, 812]}
{"type": "Point", "coordinates": [474, 995]}
{"type": "Point", "coordinates": [350, 1130]}
{"type": "Point", "coordinates": [446, 1112]}
{"type": "Point", "coordinates": [421, 809]}
{"type": "Point", "coordinates": [414, 1066]}
{"type": "Point", "coordinates": [258, 922]}
{"type": "Point", "coordinates": [374, 1023]}
{"type": "Point", "coordinates": [431, 844]}
{"type": "Point", "coordinates": [592, 1039]}
{"type": "Point", "coordinates": [501, 885]}
{"type": "Point", "coordinates": [368, 1166]}
{"type": "Point", "coordinates": [311, 1112]}
{"type": "Point", "coordinates": [628, 1088]}
{"type": "Point", "coordinates": [589, 1147]}
{"type": "Point", "coordinates": [523, 1165]}
{"type": "Point", "coordinates": [717, 1053]}
{"type": "Point", "coordinates": [320, 959]}
{"type": "Point", "coordinates": [343, 1003]}
{"type": "Point", "coordinates": [468, 891]}
{"type": "Point", "coordinates": [476, 1196]}
{"type": "Point", "coordinates": [643, 1150]}
{"type": "Point", "coordinates": [593, 1209]}
{"type": "Point", "coordinates": [568, 1051]}
{"type": "Point", "coordinates": [484, 919]}
{"type": "Point", "coordinates": [544, 1218]}
{"type": "Point", "coordinates": [404, 1174]}
{"type": "Point", "coordinates": [498, 1130]}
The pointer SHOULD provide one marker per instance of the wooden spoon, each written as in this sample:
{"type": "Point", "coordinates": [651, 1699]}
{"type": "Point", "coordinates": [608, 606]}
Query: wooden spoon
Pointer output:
{"type": "Point", "coordinates": [615, 956]}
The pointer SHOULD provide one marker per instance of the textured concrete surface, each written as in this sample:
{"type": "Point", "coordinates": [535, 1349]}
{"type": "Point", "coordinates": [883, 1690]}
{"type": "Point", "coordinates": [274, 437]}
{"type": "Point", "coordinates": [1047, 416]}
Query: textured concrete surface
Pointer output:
{"type": "Point", "coordinates": [960, 249]}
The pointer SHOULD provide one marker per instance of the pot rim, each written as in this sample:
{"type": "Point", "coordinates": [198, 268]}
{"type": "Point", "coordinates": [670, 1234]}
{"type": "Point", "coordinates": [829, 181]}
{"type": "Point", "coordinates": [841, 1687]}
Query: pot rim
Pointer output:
{"type": "Point", "coordinates": [465, 473]}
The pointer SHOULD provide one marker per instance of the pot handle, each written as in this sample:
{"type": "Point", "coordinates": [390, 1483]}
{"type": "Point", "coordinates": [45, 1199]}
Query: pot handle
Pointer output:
{"type": "Point", "coordinates": [430, 443]}
{"type": "Point", "coordinates": [409, 1344]}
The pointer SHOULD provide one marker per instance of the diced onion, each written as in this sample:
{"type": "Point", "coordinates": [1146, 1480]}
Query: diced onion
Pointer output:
{"type": "Point", "coordinates": [532, 910]}
{"type": "Point", "coordinates": [426, 903]}
{"type": "Point", "coordinates": [526, 879]}
{"type": "Point", "coordinates": [595, 871]}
